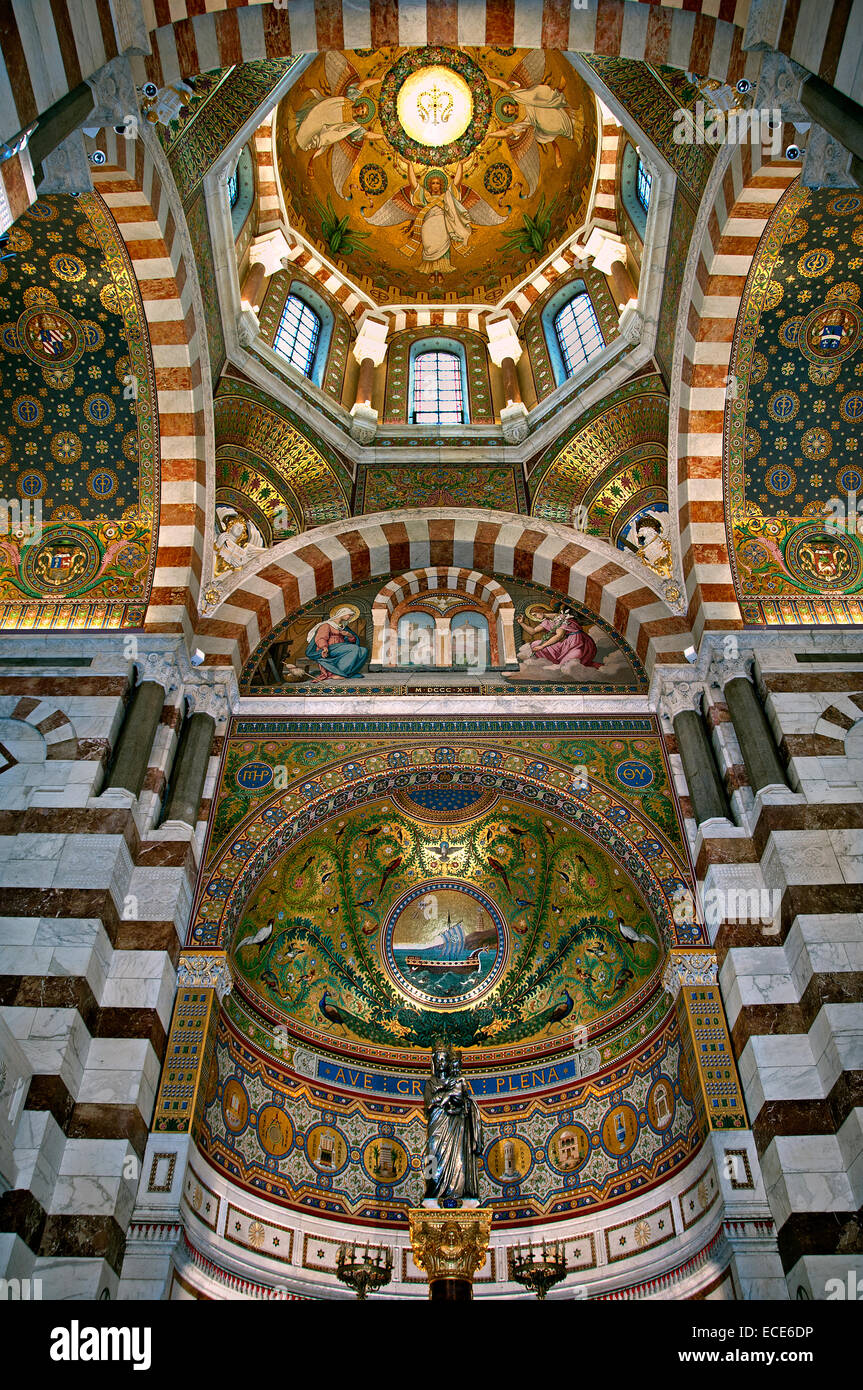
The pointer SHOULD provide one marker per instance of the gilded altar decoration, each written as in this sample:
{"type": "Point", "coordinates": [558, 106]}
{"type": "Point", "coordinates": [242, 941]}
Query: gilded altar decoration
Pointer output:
{"type": "Point", "coordinates": [450, 1244]}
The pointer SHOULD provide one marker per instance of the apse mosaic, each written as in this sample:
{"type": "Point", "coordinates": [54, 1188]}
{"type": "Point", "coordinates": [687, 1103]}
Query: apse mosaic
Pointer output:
{"type": "Point", "coordinates": [503, 927]}
{"type": "Point", "coordinates": [793, 468]}
{"type": "Point", "coordinates": [444, 639]}
{"type": "Point", "coordinates": [549, 862]}
{"type": "Point", "coordinates": [79, 444]}
{"type": "Point", "coordinates": [566, 1151]}
{"type": "Point", "coordinates": [437, 173]}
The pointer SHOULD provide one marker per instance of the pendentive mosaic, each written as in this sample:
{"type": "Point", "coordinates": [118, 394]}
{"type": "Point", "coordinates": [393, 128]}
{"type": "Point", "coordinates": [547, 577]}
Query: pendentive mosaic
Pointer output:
{"type": "Point", "coordinates": [79, 442]}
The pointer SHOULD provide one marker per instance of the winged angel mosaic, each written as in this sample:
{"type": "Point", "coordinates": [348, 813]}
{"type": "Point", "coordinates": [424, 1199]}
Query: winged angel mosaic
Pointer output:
{"type": "Point", "coordinates": [443, 185]}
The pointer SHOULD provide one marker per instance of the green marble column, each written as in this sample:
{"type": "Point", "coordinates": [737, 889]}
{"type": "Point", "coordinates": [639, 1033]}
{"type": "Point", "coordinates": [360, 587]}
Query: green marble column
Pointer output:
{"type": "Point", "coordinates": [190, 770]}
{"type": "Point", "coordinates": [763, 767]}
{"type": "Point", "coordinates": [132, 752]}
{"type": "Point", "coordinates": [706, 788]}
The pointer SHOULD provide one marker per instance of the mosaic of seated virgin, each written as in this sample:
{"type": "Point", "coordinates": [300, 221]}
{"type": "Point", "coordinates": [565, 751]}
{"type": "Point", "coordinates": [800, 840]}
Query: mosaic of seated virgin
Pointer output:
{"type": "Point", "coordinates": [526, 639]}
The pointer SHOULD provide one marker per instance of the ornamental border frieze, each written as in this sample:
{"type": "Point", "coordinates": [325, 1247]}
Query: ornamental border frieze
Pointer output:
{"type": "Point", "coordinates": [322, 803]}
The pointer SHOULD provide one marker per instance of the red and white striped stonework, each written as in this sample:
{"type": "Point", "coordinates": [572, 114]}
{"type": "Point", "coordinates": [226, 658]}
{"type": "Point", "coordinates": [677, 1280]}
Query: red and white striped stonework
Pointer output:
{"type": "Point", "coordinates": [306, 568]}
{"type": "Point", "coordinates": [269, 209]}
{"type": "Point", "coordinates": [42, 62]}
{"type": "Point", "coordinates": [741, 209]}
{"type": "Point", "coordinates": [354, 304]}
{"type": "Point", "coordinates": [132, 188]}
{"type": "Point", "coordinates": [702, 36]}
{"type": "Point", "coordinates": [605, 203]}
{"type": "Point", "coordinates": [536, 286]}
{"type": "Point", "coordinates": [425, 581]}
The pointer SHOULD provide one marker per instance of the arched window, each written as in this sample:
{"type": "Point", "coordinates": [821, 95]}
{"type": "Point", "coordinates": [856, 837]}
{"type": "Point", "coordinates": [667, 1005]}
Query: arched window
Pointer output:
{"type": "Point", "coordinates": [643, 181]}
{"type": "Point", "coordinates": [297, 334]}
{"type": "Point", "coordinates": [470, 640]}
{"type": "Point", "coordinates": [578, 333]}
{"type": "Point", "coordinates": [416, 633]}
{"type": "Point", "coordinates": [241, 191]}
{"type": "Point", "coordinates": [636, 182]}
{"type": "Point", "coordinates": [438, 388]}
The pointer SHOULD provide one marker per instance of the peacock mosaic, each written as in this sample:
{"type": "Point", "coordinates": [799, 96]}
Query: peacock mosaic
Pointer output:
{"type": "Point", "coordinates": [504, 885]}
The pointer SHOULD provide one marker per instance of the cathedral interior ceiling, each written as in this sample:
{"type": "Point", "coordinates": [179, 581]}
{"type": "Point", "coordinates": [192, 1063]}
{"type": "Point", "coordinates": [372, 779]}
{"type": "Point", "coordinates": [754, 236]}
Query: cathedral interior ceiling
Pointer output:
{"type": "Point", "coordinates": [79, 439]}
{"type": "Point", "coordinates": [364, 143]}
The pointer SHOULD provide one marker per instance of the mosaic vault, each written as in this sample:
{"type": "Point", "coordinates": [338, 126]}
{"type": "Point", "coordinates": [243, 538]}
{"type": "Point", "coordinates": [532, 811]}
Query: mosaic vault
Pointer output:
{"type": "Point", "coordinates": [79, 438]}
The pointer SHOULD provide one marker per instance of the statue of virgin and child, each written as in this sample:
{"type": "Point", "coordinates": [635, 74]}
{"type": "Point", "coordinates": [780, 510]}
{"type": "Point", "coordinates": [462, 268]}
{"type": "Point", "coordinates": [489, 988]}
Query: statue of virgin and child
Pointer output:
{"type": "Point", "coordinates": [454, 1140]}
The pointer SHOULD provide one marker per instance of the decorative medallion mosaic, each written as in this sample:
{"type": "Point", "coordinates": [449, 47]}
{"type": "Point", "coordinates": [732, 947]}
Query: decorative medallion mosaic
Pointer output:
{"type": "Point", "coordinates": [79, 444]}
{"type": "Point", "coordinates": [793, 432]}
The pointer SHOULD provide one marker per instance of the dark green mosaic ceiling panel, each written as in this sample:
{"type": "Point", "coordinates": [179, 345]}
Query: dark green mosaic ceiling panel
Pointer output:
{"type": "Point", "coordinates": [78, 430]}
{"type": "Point", "coordinates": [794, 435]}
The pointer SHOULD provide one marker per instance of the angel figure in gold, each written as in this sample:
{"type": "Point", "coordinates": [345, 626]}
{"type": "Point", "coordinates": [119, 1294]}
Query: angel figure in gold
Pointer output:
{"type": "Point", "coordinates": [442, 212]}
{"type": "Point", "coordinates": [335, 119]}
{"type": "Point", "coordinates": [540, 115]}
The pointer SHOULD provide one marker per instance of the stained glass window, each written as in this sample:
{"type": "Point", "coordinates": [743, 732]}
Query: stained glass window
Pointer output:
{"type": "Point", "coordinates": [297, 334]}
{"type": "Point", "coordinates": [642, 184]}
{"type": "Point", "coordinates": [438, 397]}
{"type": "Point", "coordinates": [578, 332]}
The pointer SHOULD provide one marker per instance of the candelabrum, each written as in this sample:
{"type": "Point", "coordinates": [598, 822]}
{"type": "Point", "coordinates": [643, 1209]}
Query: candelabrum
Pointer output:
{"type": "Point", "coordinates": [364, 1269]}
{"type": "Point", "coordinates": [539, 1267]}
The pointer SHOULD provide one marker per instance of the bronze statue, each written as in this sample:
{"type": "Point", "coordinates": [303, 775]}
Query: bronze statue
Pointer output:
{"type": "Point", "coordinates": [454, 1132]}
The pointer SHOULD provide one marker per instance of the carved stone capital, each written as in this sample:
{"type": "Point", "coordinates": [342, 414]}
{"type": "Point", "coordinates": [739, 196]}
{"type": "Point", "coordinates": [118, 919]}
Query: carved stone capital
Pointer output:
{"type": "Point", "coordinates": [248, 327]}
{"type": "Point", "coordinates": [826, 163]}
{"type": "Point", "coordinates": [689, 968]}
{"type": "Point", "coordinates": [779, 86]}
{"type": "Point", "coordinates": [67, 168]}
{"type": "Point", "coordinates": [723, 669]}
{"type": "Point", "coordinates": [364, 422]}
{"type": "Point", "coordinates": [115, 100]}
{"type": "Point", "coordinates": [449, 1243]}
{"type": "Point", "coordinates": [679, 697]}
{"type": "Point", "coordinates": [206, 697]}
{"type": "Point", "coordinates": [513, 422]}
{"type": "Point", "coordinates": [162, 667]}
{"type": "Point", "coordinates": [631, 325]}
{"type": "Point", "coordinates": [203, 970]}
